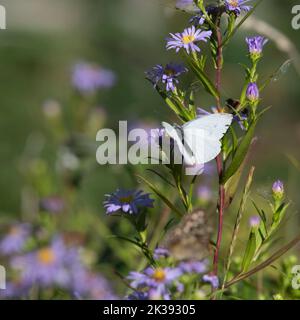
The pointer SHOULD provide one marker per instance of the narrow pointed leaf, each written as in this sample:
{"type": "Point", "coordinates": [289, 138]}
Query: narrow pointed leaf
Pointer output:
{"type": "Point", "coordinates": [161, 196]}
{"type": "Point", "coordinates": [240, 153]}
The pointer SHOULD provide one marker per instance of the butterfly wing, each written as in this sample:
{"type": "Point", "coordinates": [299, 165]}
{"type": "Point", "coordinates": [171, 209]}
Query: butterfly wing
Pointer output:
{"type": "Point", "coordinates": [203, 135]}
{"type": "Point", "coordinates": [176, 136]}
{"type": "Point", "coordinates": [215, 124]}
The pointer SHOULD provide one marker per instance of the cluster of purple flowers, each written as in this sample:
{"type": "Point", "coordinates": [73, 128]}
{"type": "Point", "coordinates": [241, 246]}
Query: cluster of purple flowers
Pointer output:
{"type": "Point", "coordinates": [162, 282]}
{"type": "Point", "coordinates": [55, 265]}
{"type": "Point", "coordinates": [52, 204]}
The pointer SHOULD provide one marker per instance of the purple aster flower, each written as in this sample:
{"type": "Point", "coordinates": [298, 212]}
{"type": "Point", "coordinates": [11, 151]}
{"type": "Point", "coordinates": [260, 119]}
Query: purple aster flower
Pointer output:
{"type": "Point", "coordinates": [252, 92]}
{"type": "Point", "coordinates": [278, 190]}
{"type": "Point", "coordinates": [188, 39]}
{"type": "Point", "coordinates": [87, 78]}
{"type": "Point", "coordinates": [193, 266]}
{"type": "Point", "coordinates": [161, 253]}
{"type": "Point", "coordinates": [156, 281]}
{"type": "Point", "coordinates": [213, 280]}
{"type": "Point", "coordinates": [15, 240]}
{"type": "Point", "coordinates": [255, 45]}
{"type": "Point", "coordinates": [53, 204]}
{"type": "Point", "coordinates": [237, 6]}
{"type": "Point", "coordinates": [46, 266]}
{"type": "Point", "coordinates": [254, 221]}
{"type": "Point", "coordinates": [167, 75]}
{"type": "Point", "coordinates": [127, 201]}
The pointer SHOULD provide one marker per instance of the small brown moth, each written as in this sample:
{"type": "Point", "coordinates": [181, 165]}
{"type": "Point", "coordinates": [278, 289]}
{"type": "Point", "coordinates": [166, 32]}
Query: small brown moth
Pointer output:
{"type": "Point", "coordinates": [190, 239]}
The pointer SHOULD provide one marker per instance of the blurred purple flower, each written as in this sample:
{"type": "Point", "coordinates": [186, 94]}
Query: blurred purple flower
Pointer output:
{"type": "Point", "coordinates": [127, 201]}
{"type": "Point", "coordinates": [252, 92]}
{"type": "Point", "coordinates": [167, 75]}
{"type": "Point", "coordinates": [187, 40]}
{"type": "Point", "coordinates": [256, 44]}
{"type": "Point", "coordinates": [86, 285]}
{"type": "Point", "coordinates": [193, 266]}
{"type": "Point", "coordinates": [204, 193]}
{"type": "Point", "coordinates": [213, 280]}
{"type": "Point", "coordinates": [254, 221]}
{"type": "Point", "coordinates": [161, 253]}
{"type": "Point", "coordinates": [46, 266]}
{"type": "Point", "coordinates": [15, 240]}
{"type": "Point", "coordinates": [53, 204]}
{"type": "Point", "coordinates": [237, 6]}
{"type": "Point", "coordinates": [187, 5]}
{"type": "Point", "coordinates": [14, 290]}
{"type": "Point", "coordinates": [87, 78]}
{"type": "Point", "coordinates": [157, 135]}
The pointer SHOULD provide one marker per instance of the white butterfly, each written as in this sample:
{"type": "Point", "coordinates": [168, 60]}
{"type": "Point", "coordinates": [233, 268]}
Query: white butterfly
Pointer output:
{"type": "Point", "coordinates": [199, 140]}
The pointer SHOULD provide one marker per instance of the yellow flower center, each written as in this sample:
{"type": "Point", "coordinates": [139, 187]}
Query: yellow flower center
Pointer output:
{"type": "Point", "coordinates": [159, 275]}
{"type": "Point", "coordinates": [14, 231]}
{"type": "Point", "coordinates": [126, 199]}
{"type": "Point", "coordinates": [46, 256]}
{"type": "Point", "coordinates": [169, 72]}
{"type": "Point", "coordinates": [234, 3]}
{"type": "Point", "coordinates": [188, 39]}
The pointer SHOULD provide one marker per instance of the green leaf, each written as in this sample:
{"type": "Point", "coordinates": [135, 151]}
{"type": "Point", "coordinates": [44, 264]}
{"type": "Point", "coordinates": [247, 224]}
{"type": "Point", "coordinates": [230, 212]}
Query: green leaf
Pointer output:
{"type": "Point", "coordinates": [240, 153]}
{"type": "Point", "coordinates": [232, 183]}
{"type": "Point", "coordinates": [250, 250]}
{"type": "Point", "coordinates": [278, 215]}
{"type": "Point", "coordinates": [162, 177]}
{"type": "Point", "coordinates": [206, 82]}
{"type": "Point", "coordinates": [277, 74]}
{"type": "Point", "coordinates": [238, 220]}
{"type": "Point", "coordinates": [128, 240]}
{"type": "Point", "coordinates": [264, 264]}
{"type": "Point", "coordinates": [161, 196]}
{"type": "Point", "coordinates": [234, 138]}
{"type": "Point", "coordinates": [175, 106]}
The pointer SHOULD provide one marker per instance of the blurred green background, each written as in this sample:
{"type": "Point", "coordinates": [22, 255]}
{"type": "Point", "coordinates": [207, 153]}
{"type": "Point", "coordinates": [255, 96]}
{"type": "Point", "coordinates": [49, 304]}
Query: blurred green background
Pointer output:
{"type": "Point", "coordinates": [45, 38]}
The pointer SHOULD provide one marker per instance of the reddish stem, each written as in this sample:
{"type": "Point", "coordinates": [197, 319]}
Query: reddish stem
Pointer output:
{"type": "Point", "coordinates": [219, 67]}
{"type": "Point", "coordinates": [219, 158]}
{"type": "Point", "coordinates": [221, 212]}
